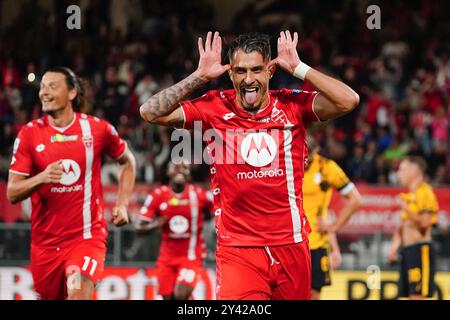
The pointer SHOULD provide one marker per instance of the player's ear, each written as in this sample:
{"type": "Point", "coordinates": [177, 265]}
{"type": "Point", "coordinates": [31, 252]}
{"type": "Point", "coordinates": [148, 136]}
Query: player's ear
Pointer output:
{"type": "Point", "coordinates": [272, 69]}
{"type": "Point", "coordinates": [72, 94]}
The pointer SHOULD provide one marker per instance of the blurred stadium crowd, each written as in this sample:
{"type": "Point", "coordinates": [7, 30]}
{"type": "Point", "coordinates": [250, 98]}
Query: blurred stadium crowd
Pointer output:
{"type": "Point", "coordinates": [402, 72]}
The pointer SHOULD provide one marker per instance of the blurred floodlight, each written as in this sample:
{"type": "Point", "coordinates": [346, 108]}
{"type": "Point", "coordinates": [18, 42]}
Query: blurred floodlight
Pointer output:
{"type": "Point", "coordinates": [31, 77]}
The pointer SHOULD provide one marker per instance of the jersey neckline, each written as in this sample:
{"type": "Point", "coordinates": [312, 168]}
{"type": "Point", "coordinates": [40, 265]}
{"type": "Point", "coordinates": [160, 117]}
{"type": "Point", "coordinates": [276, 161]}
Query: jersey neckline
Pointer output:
{"type": "Point", "coordinates": [64, 129]}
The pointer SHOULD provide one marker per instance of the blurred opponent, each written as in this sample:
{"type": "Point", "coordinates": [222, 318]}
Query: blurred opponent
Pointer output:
{"type": "Point", "coordinates": [413, 237]}
{"type": "Point", "coordinates": [322, 175]}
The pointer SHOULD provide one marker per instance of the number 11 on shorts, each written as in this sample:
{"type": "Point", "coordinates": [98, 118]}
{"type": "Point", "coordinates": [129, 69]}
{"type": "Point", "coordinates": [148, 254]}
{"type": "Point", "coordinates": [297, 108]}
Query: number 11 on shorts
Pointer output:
{"type": "Point", "coordinates": [87, 261]}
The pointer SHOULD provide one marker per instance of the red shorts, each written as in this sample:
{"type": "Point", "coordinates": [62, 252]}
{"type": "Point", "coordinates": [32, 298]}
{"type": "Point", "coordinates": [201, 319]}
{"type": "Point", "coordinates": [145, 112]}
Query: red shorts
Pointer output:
{"type": "Point", "coordinates": [50, 267]}
{"type": "Point", "coordinates": [169, 274]}
{"type": "Point", "coordinates": [264, 273]}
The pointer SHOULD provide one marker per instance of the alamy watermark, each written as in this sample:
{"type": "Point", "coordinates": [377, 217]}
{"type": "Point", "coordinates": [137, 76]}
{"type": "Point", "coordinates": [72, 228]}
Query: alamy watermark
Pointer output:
{"type": "Point", "coordinates": [374, 279]}
{"type": "Point", "coordinates": [74, 20]}
{"type": "Point", "coordinates": [374, 20]}
{"type": "Point", "coordinates": [258, 148]}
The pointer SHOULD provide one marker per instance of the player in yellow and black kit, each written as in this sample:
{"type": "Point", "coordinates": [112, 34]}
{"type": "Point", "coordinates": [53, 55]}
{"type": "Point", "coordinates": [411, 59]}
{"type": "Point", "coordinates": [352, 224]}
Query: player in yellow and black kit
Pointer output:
{"type": "Point", "coordinates": [322, 176]}
{"type": "Point", "coordinates": [413, 237]}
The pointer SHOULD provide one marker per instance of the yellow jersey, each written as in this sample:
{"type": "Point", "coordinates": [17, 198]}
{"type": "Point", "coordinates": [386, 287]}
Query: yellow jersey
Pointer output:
{"type": "Point", "coordinates": [422, 199]}
{"type": "Point", "coordinates": [322, 176]}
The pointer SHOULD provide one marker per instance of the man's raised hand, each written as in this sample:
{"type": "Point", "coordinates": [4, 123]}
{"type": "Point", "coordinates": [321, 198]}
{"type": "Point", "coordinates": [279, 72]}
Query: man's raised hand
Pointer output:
{"type": "Point", "coordinates": [210, 62]}
{"type": "Point", "coordinates": [287, 58]}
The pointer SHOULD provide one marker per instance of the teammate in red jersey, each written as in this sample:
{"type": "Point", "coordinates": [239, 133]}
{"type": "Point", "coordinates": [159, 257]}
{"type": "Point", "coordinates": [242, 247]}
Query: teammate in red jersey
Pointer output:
{"type": "Point", "coordinates": [259, 155]}
{"type": "Point", "coordinates": [56, 160]}
{"type": "Point", "coordinates": [179, 210]}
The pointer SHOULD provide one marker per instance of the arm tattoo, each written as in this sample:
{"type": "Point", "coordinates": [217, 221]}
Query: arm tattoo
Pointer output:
{"type": "Point", "coordinates": [165, 101]}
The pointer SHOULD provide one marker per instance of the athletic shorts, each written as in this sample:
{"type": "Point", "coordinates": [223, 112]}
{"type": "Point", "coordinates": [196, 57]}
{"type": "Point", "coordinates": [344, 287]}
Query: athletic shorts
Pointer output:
{"type": "Point", "coordinates": [417, 268]}
{"type": "Point", "coordinates": [169, 274]}
{"type": "Point", "coordinates": [320, 264]}
{"type": "Point", "coordinates": [264, 273]}
{"type": "Point", "coordinates": [51, 267]}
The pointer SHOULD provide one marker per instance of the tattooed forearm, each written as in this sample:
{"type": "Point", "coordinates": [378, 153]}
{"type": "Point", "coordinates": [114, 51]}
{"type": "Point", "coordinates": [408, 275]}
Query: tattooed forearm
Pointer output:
{"type": "Point", "coordinates": [165, 101]}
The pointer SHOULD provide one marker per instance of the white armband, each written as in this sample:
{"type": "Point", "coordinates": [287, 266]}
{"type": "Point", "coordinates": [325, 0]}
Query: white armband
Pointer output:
{"type": "Point", "coordinates": [301, 70]}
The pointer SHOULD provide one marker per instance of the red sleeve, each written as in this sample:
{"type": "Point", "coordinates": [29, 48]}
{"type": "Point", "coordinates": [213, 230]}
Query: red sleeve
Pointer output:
{"type": "Point", "coordinates": [21, 162]}
{"type": "Point", "coordinates": [304, 100]}
{"type": "Point", "coordinates": [196, 110]}
{"type": "Point", "coordinates": [150, 207]}
{"type": "Point", "coordinates": [115, 146]}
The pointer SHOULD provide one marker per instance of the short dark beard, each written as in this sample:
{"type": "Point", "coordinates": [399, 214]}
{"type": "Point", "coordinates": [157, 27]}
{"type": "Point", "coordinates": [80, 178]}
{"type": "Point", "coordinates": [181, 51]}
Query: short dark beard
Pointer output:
{"type": "Point", "coordinates": [178, 187]}
{"type": "Point", "coordinates": [253, 110]}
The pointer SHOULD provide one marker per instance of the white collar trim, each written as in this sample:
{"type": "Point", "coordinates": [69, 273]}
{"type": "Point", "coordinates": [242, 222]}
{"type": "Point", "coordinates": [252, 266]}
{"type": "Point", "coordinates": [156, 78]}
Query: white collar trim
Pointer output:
{"type": "Point", "coordinates": [59, 129]}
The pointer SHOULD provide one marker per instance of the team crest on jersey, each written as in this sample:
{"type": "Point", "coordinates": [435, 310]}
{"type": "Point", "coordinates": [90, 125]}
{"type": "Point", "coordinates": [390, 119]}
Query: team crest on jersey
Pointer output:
{"type": "Point", "coordinates": [88, 141]}
{"type": "Point", "coordinates": [278, 116]}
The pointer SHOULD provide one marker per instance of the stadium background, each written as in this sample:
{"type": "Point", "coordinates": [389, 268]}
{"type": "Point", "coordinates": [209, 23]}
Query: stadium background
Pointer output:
{"type": "Point", "coordinates": [128, 50]}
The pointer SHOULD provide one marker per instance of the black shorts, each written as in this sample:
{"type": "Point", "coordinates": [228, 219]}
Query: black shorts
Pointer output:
{"type": "Point", "coordinates": [417, 269]}
{"type": "Point", "coordinates": [320, 269]}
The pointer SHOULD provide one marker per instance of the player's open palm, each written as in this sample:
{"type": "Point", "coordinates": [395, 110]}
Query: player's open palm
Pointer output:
{"type": "Point", "coordinates": [287, 58]}
{"type": "Point", "coordinates": [53, 172]}
{"type": "Point", "coordinates": [119, 216]}
{"type": "Point", "coordinates": [210, 62]}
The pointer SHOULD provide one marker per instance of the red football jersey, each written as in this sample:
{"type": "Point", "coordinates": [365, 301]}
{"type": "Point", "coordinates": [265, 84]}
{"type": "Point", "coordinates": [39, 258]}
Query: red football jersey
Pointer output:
{"type": "Point", "coordinates": [258, 164]}
{"type": "Point", "coordinates": [182, 235]}
{"type": "Point", "coordinates": [72, 209]}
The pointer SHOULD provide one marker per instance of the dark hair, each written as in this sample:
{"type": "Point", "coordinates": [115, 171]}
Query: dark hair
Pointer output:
{"type": "Point", "coordinates": [250, 42]}
{"type": "Point", "coordinates": [73, 82]}
{"type": "Point", "coordinates": [419, 161]}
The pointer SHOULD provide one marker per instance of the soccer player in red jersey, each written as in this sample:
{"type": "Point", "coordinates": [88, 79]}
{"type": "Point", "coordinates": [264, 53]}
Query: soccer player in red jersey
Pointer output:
{"type": "Point", "coordinates": [179, 210]}
{"type": "Point", "coordinates": [262, 250]}
{"type": "Point", "coordinates": [56, 161]}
